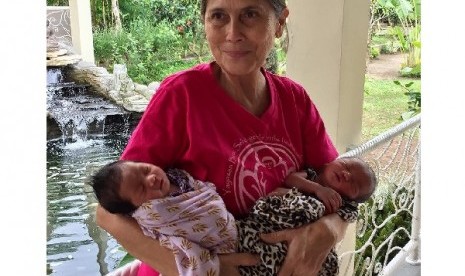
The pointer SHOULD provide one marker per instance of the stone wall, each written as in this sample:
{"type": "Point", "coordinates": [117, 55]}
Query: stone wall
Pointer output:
{"type": "Point", "coordinates": [117, 86]}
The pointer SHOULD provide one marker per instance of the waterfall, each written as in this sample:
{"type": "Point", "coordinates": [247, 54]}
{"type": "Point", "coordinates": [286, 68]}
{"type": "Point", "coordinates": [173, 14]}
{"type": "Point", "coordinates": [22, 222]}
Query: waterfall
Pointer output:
{"type": "Point", "coordinates": [77, 112]}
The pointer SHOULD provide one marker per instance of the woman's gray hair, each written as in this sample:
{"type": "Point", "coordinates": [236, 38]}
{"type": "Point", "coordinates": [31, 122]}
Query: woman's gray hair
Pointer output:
{"type": "Point", "coordinates": [278, 6]}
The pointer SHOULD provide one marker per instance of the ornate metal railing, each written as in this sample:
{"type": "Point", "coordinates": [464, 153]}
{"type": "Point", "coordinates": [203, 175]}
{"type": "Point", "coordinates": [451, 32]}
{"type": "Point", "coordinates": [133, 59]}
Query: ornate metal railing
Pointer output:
{"type": "Point", "coordinates": [388, 228]}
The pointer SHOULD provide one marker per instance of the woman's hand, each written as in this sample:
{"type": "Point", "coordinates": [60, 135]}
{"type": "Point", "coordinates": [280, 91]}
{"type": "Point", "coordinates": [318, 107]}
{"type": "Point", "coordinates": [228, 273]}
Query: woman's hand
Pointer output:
{"type": "Point", "coordinates": [229, 262]}
{"type": "Point", "coordinates": [279, 192]}
{"type": "Point", "coordinates": [309, 245]}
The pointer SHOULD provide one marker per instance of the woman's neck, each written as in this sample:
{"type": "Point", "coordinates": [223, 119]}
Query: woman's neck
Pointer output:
{"type": "Point", "coordinates": [250, 91]}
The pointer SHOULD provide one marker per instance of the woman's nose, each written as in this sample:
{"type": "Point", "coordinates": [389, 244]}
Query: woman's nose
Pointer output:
{"type": "Point", "coordinates": [234, 31]}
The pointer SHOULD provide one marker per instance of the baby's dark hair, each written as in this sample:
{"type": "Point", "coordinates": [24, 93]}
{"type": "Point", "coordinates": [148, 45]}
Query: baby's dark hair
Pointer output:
{"type": "Point", "coordinates": [106, 184]}
{"type": "Point", "coordinates": [373, 181]}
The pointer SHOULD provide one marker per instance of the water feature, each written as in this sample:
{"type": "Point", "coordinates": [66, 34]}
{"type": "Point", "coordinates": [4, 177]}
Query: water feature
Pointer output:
{"type": "Point", "coordinates": [84, 132]}
{"type": "Point", "coordinates": [77, 112]}
{"type": "Point", "coordinates": [75, 244]}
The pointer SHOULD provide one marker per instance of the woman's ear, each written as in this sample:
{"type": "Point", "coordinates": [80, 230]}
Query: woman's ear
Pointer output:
{"type": "Point", "coordinates": [281, 22]}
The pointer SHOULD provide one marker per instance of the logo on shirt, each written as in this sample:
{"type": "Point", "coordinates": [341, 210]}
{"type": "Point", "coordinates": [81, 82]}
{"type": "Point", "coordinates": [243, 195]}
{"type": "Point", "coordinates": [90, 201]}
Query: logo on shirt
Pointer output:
{"type": "Point", "coordinates": [258, 166]}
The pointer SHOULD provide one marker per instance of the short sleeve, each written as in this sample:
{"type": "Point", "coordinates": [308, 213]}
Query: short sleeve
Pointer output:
{"type": "Point", "coordinates": [160, 137]}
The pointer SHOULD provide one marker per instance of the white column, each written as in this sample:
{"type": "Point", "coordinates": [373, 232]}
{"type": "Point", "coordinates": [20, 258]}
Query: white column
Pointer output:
{"type": "Point", "coordinates": [327, 56]}
{"type": "Point", "coordinates": [81, 29]}
{"type": "Point", "coordinates": [327, 49]}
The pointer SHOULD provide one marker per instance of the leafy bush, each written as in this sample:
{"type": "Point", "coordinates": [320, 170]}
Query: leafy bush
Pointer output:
{"type": "Point", "coordinates": [158, 37]}
{"type": "Point", "coordinates": [414, 99]}
{"type": "Point", "coordinates": [149, 52]}
{"type": "Point", "coordinates": [374, 52]}
{"type": "Point", "coordinates": [385, 43]}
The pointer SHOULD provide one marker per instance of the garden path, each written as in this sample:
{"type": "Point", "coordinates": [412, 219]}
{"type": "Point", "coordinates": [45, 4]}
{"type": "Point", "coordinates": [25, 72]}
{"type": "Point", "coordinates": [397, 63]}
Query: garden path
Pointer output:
{"type": "Point", "coordinates": [385, 66]}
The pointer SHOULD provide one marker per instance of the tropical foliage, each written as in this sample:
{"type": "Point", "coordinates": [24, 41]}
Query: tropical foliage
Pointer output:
{"type": "Point", "coordinates": [395, 25]}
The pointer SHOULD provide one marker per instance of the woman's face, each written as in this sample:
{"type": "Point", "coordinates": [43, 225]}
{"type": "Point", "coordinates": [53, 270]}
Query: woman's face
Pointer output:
{"type": "Point", "coordinates": [241, 33]}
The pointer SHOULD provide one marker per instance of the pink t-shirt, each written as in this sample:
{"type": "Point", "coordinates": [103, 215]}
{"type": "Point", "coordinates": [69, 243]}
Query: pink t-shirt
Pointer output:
{"type": "Point", "coordinates": [191, 123]}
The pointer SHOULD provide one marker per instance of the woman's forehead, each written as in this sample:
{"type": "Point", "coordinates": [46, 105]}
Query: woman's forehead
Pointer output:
{"type": "Point", "coordinates": [235, 4]}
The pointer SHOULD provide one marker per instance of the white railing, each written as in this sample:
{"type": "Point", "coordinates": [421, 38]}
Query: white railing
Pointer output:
{"type": "Point", "coordinates": [388, 228]}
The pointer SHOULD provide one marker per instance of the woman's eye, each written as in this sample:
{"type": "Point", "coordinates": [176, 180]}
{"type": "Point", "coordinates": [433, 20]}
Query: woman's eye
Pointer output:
{"type": "Point", "coordinates": [251, 14]}
{"type": "Point", "coordinates": [217, 16]}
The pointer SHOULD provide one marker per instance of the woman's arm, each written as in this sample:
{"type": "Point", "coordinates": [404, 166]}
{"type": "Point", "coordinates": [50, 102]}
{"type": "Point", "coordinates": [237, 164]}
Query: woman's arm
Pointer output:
{"type": "Point", "coordinates": [330, 198]}
{"type": "Point", "coordinates": [309, 245]}
{"type": "Point", "coordinates": [128, 233]}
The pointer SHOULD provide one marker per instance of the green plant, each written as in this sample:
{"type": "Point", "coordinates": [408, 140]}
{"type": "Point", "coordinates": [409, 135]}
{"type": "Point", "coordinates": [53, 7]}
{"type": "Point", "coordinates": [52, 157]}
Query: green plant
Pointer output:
{"type": "Point", "coordinates": [383, 42]}
{"type": "Point", "coordinates": [374, 52]}
{"type": "Point", "coordinates": [126, 259]}
{"type": "Point", "coordinates": [404, 30]}
{"type": "Point", "coordinates": [383, 102]}
{"type": "Point", "coordinates": [413, 102]}
{"type": "Point", "coordinates": [158, 37]}
{"type": "Point", "coordinates": [57, 3]}
{"type": "Point", "coordinates": [149, 52]}
{"type": "Point", "coordinates": [271, 62]}
{"type": "Point", "coordinates": [408, 32]}
{"type": "Point", "coordinates": [379, 211]}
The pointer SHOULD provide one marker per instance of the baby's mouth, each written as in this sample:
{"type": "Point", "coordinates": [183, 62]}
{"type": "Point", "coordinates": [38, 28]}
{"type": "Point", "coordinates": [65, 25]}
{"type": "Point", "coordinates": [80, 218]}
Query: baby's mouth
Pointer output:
{"type": "Point", "coordinates": [338, 178]}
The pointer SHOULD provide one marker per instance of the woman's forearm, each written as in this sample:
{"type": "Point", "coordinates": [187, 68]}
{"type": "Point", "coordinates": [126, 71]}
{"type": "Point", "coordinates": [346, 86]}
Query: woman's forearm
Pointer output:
{"type": "Point", "coordinates": [335, 225]}
{"type": "Point", "coordinates": [128, 234]}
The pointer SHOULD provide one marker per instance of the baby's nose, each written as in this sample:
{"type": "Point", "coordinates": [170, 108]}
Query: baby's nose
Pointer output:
{"type": "Point", "coordinates": [151, 179]}
{"type": "Point", "coordinates": [346, 175]}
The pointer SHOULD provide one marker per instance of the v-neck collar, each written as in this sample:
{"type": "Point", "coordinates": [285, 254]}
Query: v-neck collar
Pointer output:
{"type": "Point", "coordinates": [224, 96]}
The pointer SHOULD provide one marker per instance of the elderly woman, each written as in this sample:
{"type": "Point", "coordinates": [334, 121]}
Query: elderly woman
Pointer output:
{"type": "Point", "coordinates": [232, 123]}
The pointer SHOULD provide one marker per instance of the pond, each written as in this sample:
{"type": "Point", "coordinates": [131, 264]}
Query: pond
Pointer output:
{"type": "Point", "coordinates": [75, 244]}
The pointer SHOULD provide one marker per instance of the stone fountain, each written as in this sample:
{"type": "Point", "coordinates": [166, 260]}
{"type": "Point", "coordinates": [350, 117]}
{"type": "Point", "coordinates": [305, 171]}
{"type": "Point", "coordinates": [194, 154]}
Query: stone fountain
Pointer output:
{"type": "Point", "coordinates": [84, 99]}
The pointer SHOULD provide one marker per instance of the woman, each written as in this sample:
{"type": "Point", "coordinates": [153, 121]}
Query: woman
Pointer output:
{"type": "Point", "coordinates": [232, 123]}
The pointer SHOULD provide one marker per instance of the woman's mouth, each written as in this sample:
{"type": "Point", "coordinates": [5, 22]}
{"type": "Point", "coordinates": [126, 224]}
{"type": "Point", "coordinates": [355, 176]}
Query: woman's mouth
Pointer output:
{"type": "Point", "coordinates": [236, 54]}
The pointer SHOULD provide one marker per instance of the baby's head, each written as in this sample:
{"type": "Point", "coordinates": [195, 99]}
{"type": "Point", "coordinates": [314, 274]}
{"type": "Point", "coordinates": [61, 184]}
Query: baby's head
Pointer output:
{"type": "Point", "coordinates": [122, 186]}
{"type": "Point", "coordinates": [351, 177]}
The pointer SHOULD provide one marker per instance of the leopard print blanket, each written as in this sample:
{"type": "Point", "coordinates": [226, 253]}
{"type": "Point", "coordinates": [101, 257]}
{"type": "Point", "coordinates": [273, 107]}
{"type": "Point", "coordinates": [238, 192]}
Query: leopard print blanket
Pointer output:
{"type": "Point", "coordinates": [275, 213]}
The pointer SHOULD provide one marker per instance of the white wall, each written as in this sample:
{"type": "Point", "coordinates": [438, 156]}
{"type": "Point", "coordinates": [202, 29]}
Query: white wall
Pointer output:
{"type": "Point", "coordinates": [327, 56]}
{"type": "Point", "coordinates": [327, 49]}
{"type": "Point", "coordinates": [81, 29]}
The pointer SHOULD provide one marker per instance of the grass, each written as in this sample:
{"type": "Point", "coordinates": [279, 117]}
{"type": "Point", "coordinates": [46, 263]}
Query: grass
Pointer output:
{"type": "Point", "coordinates": [383, 104]}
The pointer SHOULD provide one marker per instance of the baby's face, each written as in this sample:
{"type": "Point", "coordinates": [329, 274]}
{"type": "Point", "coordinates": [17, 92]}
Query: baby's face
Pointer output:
{"type": "Point", "coordinates": [141, 182]}
{"type": "Point", "coordinates": [347, 176]}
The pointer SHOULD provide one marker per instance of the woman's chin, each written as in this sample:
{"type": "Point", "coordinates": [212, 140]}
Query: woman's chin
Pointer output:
{"type": "Point", "coordinates": [239, 67]}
